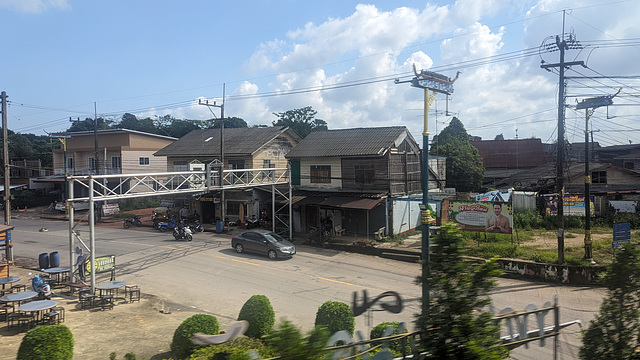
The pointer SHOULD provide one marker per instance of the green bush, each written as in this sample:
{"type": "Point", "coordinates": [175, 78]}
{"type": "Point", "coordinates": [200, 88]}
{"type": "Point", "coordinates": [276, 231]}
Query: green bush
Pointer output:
{"type": "Point", "coordinates": [336, 316]}
{"type": "Point", "coordinates": [257, 311]}
{"type": "Point", "coordinates": [47, 342]}
{"type": "Point", "coordinates": [395, 346]}
{"type": "Point", "coordinates": [235, 349]}
{"type": "Point", "coordinates": [288, 344]}
{"type": "Point", "coordinates": [181, 345]}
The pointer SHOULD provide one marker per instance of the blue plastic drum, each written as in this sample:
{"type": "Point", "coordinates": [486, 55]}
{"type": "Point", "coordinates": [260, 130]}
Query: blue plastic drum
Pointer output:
{"type": "Point", "coordinates": [54, 259]}
{"type": "Point", "coordinates": [43, 261]}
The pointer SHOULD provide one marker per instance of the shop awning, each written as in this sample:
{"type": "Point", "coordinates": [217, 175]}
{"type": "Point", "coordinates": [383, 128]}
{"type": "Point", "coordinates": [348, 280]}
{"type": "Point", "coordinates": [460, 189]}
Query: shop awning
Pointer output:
{"type": "Point", "coordinates": [351, 203]}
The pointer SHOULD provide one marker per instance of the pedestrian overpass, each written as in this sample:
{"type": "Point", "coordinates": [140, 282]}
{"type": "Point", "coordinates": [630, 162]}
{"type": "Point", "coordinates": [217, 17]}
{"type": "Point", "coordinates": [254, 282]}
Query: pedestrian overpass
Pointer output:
{"type": "Point", "coordinates": [213, 178]}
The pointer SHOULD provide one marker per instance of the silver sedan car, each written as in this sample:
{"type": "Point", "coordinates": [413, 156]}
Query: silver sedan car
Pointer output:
{"type": "Point", "coordinates": [263, 242]}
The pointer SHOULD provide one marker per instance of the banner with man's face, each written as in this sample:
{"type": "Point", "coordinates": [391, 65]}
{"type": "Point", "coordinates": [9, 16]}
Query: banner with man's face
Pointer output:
{"type": "Point", "coordinates": [482, 216]}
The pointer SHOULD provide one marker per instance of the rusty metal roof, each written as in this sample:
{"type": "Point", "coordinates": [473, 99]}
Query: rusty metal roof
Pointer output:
{"type": "Point", "coordinates": [511, 154]}
{"type": "Point", "coordinates": [374, 141]}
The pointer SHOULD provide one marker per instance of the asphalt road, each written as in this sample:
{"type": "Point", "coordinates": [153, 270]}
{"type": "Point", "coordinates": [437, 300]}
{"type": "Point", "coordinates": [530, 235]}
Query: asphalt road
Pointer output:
{"type": "Point", "coordinates": [207, 275]}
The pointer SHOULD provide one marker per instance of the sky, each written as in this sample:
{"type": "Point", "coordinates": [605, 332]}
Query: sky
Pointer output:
{"type": "Point", "coordinates": [63, 59]}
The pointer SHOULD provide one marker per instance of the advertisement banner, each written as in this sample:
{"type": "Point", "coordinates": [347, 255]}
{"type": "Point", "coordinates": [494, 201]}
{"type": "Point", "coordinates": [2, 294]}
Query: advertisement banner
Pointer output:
{"type": "Point", "coordinates": [482, 216]}
{"type": "Point", "coordinates": [573, 205]}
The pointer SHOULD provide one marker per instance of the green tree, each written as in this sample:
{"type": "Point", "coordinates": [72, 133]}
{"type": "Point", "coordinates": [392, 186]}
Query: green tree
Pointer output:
{"type": "Point", "coordinates": [613, 333]}
{"type": "Point", "coordinates": [131, 122]}
{"type": "Point", "coordinates": [302, 121]}
{"type": "Point", "coordinates": [499, 137]}
{"type": "Point", "coordinates": [230, 122]}
{"type": "Point", "coordinates": [459, 291]}
{"type": "Point", "coordinates": [88, 125]}
{"type": "Point", "coordinates": [465, 171]}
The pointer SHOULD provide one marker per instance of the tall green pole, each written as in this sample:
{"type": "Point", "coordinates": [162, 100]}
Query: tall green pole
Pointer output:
{"type": "Point", "coordinates": [424, 214]}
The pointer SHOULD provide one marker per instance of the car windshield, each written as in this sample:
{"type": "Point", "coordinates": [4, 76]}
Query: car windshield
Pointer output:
{"type": "Point", "coordinates": [273, 237]}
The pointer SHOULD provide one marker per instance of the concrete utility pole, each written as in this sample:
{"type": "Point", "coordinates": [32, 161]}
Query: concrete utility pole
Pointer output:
{"type": "Point", "coordinates": [562, 46]}
{"type": "Point", "coordinates": [221, 106]}
{"type": "Point", "coordinates": [5, 152]}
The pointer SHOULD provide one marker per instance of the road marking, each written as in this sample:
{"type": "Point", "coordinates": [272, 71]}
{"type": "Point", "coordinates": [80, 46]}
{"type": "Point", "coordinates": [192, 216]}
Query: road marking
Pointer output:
{"type": "Point", "coordinates": [245, 262]}
{"type": "Point", "coordinates": [336, 281]}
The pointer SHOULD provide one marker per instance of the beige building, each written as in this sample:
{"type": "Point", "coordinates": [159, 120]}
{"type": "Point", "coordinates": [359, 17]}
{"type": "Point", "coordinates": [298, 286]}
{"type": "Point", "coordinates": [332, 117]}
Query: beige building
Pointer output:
{"type": "Point", "coordinates": [244, 148]}
{"type": "Point", "coordinates": [118, 151]}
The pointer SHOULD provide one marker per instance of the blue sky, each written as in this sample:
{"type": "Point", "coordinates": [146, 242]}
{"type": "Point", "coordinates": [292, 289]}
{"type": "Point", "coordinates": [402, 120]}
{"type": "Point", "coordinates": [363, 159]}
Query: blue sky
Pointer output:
{"type": "Point", "coordinates": [156, 58]}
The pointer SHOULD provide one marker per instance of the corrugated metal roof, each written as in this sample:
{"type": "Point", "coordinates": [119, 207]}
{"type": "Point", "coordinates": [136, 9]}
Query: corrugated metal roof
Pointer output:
{"type": "Point", "coordinates": [237, 142]}
{"type": "Point", "coordinates": [521, 153]}
{"type": "Point", "coordinates": [349, 142]}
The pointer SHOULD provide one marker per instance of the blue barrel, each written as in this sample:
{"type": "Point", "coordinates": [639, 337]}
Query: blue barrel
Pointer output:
{"type": "Point", "coordinates": [219, 226]}
{"type": "Point", "coordinates": [54, 259]}
{"type": "Point", "coordinates": [43, 261]}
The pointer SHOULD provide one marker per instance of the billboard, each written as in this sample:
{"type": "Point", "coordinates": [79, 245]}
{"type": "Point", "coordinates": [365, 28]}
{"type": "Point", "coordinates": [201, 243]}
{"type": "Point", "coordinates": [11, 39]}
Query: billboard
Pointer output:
{"type": "Point", "coordinates": [573, 205]}
{"type": "Point", "coordinates": [482, 216]}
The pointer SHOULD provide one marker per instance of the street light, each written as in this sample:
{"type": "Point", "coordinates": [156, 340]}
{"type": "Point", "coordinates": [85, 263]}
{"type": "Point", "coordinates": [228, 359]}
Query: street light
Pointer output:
{"type": "Point", "coordinates": [436, 83]}
{"type": "Point", "coordinates": [590, 105]}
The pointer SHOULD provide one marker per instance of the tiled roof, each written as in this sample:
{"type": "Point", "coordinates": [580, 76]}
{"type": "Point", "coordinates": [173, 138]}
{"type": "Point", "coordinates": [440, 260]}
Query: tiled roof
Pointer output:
{"type": "Point", "coordinates": [237, 142]}
{"type": "Point", "coordinates": [350, 142]}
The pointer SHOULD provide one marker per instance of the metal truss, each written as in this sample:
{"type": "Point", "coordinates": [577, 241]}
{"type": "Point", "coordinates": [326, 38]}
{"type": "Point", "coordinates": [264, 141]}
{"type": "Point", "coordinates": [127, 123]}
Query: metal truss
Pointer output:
{"type": "Point", "coordinates": [101, 187]}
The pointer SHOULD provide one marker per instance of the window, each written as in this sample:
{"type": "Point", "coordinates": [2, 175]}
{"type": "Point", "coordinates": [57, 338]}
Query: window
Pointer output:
{"type": "Point", "coordinates": [116, 162]}
{"type": "Point", "coordinates": [599, 177]}
{"type": "Point", "coordinates": [69, 163]}
{"type": "Point", "coordinates": [266, 164]}
{"type": "Point", "coordinates": [233, 207]}
{"type": "Point", "coordinates": [92, 163]}
{"type": "Point", "coordinates": [144, 160]}
{"type": "Point", "coordinates": [180, 166]}
{"type": "Point", "coordinates": [365, 174]}
{"type": "Point", "coordinates": [236, 164]}
{"type": "Point", "coordinates": [321, 174]}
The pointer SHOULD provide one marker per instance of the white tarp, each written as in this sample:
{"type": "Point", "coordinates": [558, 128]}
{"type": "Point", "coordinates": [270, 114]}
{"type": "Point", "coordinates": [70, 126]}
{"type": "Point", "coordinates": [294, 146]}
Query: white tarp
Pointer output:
{"type": "Point", "coordinates": [625, 206]}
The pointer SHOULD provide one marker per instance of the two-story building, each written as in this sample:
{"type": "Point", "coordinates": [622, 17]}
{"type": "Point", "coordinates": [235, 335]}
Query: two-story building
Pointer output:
{"type": "Point", "coordinates": [113, 151]}
{"type": "Point", "coordinates": [358, 180]}
{"type": "Point", "coordinates": [237, 148]}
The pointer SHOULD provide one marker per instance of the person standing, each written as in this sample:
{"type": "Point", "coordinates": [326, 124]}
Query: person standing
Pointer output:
{"type": "Point", "coordinates": [497, 222]}
{"type": "Point", "coordinates": [184, 212]}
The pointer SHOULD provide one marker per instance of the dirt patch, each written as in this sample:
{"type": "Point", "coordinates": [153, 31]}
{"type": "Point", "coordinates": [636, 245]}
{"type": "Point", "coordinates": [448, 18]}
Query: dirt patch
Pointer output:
{"type": "Point", "coordinates": [549, 242]}
{"type": "Point", "coordinates": [144, 328]}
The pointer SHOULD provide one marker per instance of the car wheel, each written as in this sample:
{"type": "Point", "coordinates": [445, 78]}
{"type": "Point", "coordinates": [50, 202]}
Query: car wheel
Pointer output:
{"type": "Point", "coordinates": [239, 248]}
{"type": "Point", "coordinates": [272, 254]}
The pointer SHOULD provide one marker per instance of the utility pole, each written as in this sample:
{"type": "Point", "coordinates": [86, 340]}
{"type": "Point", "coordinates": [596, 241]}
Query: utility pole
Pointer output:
{"type": "Point", "coordinates": [5, 152]}
{"type": "Point", "coordinates": [562, 45]}
{"type": "Point", "coordinates": [221, 106]}
{"type": "Point", "coordinates": [590, 105]}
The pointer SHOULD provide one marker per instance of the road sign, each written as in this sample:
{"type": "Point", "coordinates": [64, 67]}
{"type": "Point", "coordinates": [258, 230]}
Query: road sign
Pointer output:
{"type": "Point", "coordinates": [621, 235]}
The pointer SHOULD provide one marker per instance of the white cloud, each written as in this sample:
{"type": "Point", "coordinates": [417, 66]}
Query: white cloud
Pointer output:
{"type": "Point", "coordinates": [35, 6]}
{"type": "Point", "coordinates": [491, 98]}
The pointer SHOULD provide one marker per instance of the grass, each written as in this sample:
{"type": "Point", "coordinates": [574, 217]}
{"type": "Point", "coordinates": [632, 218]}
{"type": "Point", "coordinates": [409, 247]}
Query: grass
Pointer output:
{"type": "Point", "coordinates": [486, 245]}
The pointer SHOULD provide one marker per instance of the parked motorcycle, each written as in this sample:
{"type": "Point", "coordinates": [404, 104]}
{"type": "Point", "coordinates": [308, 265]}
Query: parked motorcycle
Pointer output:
{"type": "Point", "coordinates": [135, 221]}
{"type": "Point", "coordinates": [182, 232]}
{"type": "Point", "coordinates": [196, 226]}
{"type": "Point", "coordinates": [166, 225]}
{"type": "Point", "coordinates": [253, 222]}
{"type": "Point", "coordinates": [41, 287]}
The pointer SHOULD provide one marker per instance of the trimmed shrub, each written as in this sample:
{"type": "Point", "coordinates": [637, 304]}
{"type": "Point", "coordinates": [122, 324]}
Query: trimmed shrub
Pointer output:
{"type": "Point", "coordinates": [288, 344]}
{"type": "Point", "coordinates": [181, 345]}
{"type": "Point", "coordinates": [47, 342]}
{"type": "Point", "coordinates": [336, 316]}
{"type": "Point", "coordinates": [235, 349]}
{"type": "Point", "coordinates": [257, 311]}
{"type": "Point", "coordinates": [395, 346]}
